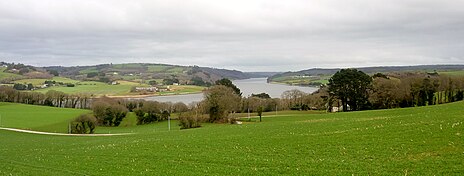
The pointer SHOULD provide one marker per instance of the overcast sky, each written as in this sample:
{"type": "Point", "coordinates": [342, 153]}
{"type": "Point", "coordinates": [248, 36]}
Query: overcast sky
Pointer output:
{"type": "Point", "coordinates": [247, 35]}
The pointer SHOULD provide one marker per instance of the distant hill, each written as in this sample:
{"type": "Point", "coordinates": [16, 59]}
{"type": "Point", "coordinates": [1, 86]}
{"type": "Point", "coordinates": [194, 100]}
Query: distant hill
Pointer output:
{"type": "Point", "coordinates": [128, 71]}
{"type": "Point", "coordinates": [261, 74]}
{"type": "Point", "coordinates": [369, 70]}
{"type": "Point", "coordinates": [10, 72]}
{"type": "Point", "coordinates": [320, 76]}
{"type": "Point", "coordinates": [148, 71]}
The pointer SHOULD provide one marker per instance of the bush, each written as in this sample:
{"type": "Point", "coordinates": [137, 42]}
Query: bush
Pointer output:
{"type": "Point", "coordinates": [220, 101]}
{"type": "Point", "coordinates": [20, 86]}
{"type": "Point", "coordinates": [84, 124]}
{"type": "Point", "coordinates": [190, 120]}
{"type": "Point", "coordinates": [150, 112]}
{"type": "Point", "coordinates": [145, 118]}
{"type": "Point", "coordinates": [109, 113]}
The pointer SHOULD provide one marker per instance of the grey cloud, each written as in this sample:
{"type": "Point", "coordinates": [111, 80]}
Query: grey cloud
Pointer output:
{"type": "Point", "coordinates": [246, 35]}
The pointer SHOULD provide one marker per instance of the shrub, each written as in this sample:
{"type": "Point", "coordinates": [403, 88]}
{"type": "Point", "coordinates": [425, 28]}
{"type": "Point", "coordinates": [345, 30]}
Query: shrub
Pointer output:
{"type": "Point", "coordinates": [190, 120]}
{"type": "Point", "coordinates": [144, 117]}
{"type": "Point", "coordinates": [220, 101]}
{"type": "Point", "coordinates": [84, 124]}
{"type": "Point", "coordinates": [150, 112]}
{"type": "Point", "coordinates": [20, 86]}
{"type": "Point", "coordinates": [109, 113]}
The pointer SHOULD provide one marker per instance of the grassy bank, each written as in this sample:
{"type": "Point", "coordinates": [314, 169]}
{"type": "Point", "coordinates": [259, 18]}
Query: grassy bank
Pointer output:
{"type": "Point", "coordinates": [40, 118]}
{"type": "Point", "coordinates": [411, 141]}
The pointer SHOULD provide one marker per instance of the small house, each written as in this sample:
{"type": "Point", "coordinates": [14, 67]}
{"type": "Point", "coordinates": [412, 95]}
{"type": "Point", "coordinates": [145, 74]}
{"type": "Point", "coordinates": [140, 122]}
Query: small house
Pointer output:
{"type": "Point", "coordinates": [149, 89]}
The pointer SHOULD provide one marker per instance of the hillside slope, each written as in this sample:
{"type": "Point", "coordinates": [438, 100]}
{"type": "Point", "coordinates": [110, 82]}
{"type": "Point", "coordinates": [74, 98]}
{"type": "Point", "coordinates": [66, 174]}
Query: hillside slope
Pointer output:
{"type": "Point", "coordinates": [145, 71]}
{"type": "Point", "coordinates": [411, 141]}
{"type": "Point", "coordinates": [317, 76]}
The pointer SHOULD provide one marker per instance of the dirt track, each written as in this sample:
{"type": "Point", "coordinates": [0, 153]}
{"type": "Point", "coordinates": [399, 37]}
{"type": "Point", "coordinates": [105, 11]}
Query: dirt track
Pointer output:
{"type": "Point", "coordinates": [61, 134]}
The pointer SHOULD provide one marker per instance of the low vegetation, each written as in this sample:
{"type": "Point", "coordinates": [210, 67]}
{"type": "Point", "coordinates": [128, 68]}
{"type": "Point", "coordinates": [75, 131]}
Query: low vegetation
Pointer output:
{"type": "Point", "coordinates": [191, 120]}
{"type": "Point", "coordinates": [150, 112]}
{"type": "Point", "coordinates": [38, 118]}
{"type": "Point", "coordinates": [409, 141]}
{"type": "Point", "coordinates": [84, 124]}
{"type": "Point", "coordinates": [108, 112]}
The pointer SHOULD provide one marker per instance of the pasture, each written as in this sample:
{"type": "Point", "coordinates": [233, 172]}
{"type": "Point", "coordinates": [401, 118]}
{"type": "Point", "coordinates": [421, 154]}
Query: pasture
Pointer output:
{"type": "Point", "coordinates": [98, 88]}
{"type": "Point", "coordinates": [453, 73]}
{"type": "Point", "coordinates": [4, 75]}
{"type": "Point", "coordinates": [411, 141]}
{"type": "Point", "coordinates": [39, 118]}
{"type": "Point", "coordinates": [95, 88]}
{"type": "Point", "coordinates": [295, 80]}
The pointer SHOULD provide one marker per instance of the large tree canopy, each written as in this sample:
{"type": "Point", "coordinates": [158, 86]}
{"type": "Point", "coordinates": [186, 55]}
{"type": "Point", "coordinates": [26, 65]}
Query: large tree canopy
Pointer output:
{"type": "Point", "coordinates": [226, 82]}
{"type": "Point", "coordinates": [351, 87]}
{"type": "Point", "coordinates": [220, 101]}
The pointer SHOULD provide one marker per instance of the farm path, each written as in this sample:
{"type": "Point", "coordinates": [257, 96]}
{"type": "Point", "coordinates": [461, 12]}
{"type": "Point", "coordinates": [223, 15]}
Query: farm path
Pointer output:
{"type": "Point", "coordinates": [61, 134]}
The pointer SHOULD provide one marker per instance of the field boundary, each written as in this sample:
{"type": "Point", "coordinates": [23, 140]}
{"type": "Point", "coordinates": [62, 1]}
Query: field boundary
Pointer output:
{"type": "Point", "coordinates": [61, 134]}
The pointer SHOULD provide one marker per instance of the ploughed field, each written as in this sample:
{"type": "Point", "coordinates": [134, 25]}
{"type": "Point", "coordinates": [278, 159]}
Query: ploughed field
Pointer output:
{"type": "Point", "coordinates": [412, 141]}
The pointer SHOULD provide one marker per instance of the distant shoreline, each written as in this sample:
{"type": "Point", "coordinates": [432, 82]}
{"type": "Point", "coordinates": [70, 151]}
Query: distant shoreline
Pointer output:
{"type": "Point", "coordinates": [150, 95]}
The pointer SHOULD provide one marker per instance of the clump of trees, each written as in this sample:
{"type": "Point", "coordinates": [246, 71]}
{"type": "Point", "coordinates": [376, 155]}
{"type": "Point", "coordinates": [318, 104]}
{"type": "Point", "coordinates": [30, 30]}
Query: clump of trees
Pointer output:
{"type": "Point", "coordinates": [198, 81]}
{"type": "Point", "coordinates": [170, 81]}
{"type": "Point", "coordinates": [84, 124]}
{"type": "Point", "coordinates": [294, 100]}
{"type": "Point", "coordinates": [228, 83]}
{"type": "Point", "coordinates": [51, 98]}
{"type": "Point", "coordinates": [191, 120]}
{"type": "Point", "coordinates": [351, 87]}
{"type": "Point", "coordinates": [252, 103]}
{"type": "Point", "coordinates": [220, 101]}
{"type": "Point", "coordinates": [18, 86]}
{"type": "Point", "coordinates": [150, 112]}
{"type": "Point", "coordinates": [108, 112]}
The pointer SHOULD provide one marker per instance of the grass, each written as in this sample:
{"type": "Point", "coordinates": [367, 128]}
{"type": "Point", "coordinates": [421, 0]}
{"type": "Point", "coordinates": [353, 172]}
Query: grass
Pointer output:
{"type": "Point", "coordinates": [99, 88]}
{"type": "Point", "coordinates": [166, 69]}
{"type": "Point", "coordinates": [89, 70]}
{"type": "Point", "coordinates": [39, 82]}
{"type": "Point", "coordinates": [128, 66]}
{"type": "Point", "coordinates": [183, 89]}
{"type": "Point", "coordinates": [176, 69]}
{"type": "Point", "coordinates": [157, 68]}
{"type": "Point", "coordinates": [453, 73]}
{"type": "Point", "coordinates": [293, 80]}
{"type": "Point", "coordinates": [4, 75]}
{"type": "Point", "coordinates": [38, 118]}
{"type": "Point", "coordinates": [95, 88]}
{"type": "Point", "coordinates": [412, 141]}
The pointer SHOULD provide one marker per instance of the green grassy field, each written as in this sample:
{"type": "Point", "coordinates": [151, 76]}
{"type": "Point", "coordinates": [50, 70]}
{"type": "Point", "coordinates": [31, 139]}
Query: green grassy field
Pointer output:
{"type": "Point", "coordinates": [411, 141]}
{"type": "Point", "coordinates": [4, 75]}
{"type": "Point", "coordinates": [292, 80]}
{"type": "Point", "coordinates": [39, 118]}
{"type": "Point", "coordinates": [89, 70]}
{"type": "Point", "coordinates": [453, 73]}
{"type": "Point", "coordinates": [95, 88]}
{"type": "Point", "coordinates": [39, 82]}
{"type": "Point", "coordinates": [183, 89]}
{"type": "Point", "coordinates": [99, 88]}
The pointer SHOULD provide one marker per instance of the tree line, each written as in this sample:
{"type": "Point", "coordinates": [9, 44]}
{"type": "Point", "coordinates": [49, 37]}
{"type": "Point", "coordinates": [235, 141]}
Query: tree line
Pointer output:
{"type": "Point", "coordinates": [347, 90]}
{"type": "Point", "coordinates": [51, 98]}
{"type": "Point", "coordinates": [352, 90]}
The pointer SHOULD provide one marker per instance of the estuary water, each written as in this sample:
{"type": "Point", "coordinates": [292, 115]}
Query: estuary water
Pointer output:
{"type": "Point", "coordinates": [247, 86]}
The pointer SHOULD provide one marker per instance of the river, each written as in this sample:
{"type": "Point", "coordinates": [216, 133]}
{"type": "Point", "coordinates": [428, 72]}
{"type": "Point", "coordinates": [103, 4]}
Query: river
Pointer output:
{"type": "Point", "coordinates": [247, 86]}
